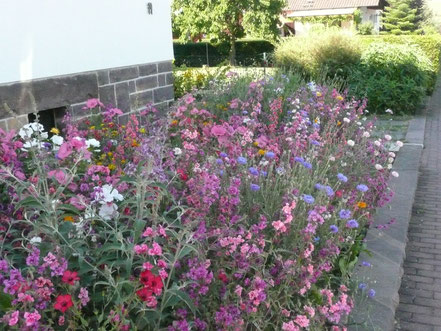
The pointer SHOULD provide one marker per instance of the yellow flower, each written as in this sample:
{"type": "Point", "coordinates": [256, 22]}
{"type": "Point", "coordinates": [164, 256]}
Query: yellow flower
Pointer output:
{"type": "Point", "coordinates": [362, 205]}
{"type": "Point", "coordinates": [318, 94]}
{"type": "Point", "coordinates": [123, 126]}
{"type": "Point", "coordinates": [339, 98]}
{"type": "Point", "coordinates": [174, 122]}
{"type": "Point", "coordinates": [256, 143]}
{"type": "Point", "coordinates": [135, 143]}
{"type": "Point", "coordinates": [205, 123]}
{"type": "Point", "coordinates": [338, 123]}
{"type": "Point", "coordinates": [92, 127]}
{"type": "Point", "coordinates": [261, 152]}
{"type": "Point", "coordinates": [69, 219]}
{"type": "Point", "coordinates": [142, 130]}
{"type": "Point", "coordinates": [123, 161]}
{"type": "Point", "coordinates": [111, 167]}
{"type": "Point", "coordinates": [99, 163]}
{"type": "Point", "coordinates": [55, 131]}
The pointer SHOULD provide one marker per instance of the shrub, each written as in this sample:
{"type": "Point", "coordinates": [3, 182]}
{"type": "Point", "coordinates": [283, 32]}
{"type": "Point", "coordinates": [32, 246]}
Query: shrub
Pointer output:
{"type": "Point", "coordinates": [392, 76]}
{"type": "Point", "coordinates": [332, 52]}
{"type": "Point", "coordinates": [190, 222]}
{"type": "Point", "coordinates": [366, 28]}
{"type": "Point", "coordinates": [248, 53]}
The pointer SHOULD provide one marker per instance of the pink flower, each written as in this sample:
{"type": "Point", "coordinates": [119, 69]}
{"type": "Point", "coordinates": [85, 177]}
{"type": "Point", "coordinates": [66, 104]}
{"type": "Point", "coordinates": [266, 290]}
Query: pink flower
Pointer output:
{"type": "Point", "coordinates": [32, 318]}
{"type": "Point", "coordinates": [13, 318]}
{"type": "Point", "coordinates": [147, 266]}
{"type": "Point", "coordinates": [189, 99]}
{"type": "Point", "coordinates": [279, 226]}
{"type": "Point", "coordinates": [149, 232]}
{"type": "Point", "coordinates": [218, 130]}
{"type": "Point", "coordinates": [59, 175]}
{"type": "Point", "coordinates": [61, 320]}
{"type": "Point", "coordinates": [290, 327]}
{"type": "Point", "coordinates": [84, 296]}
{"type": "Point", "coordinates": [93, 103]}
{"type": "Point", "coordinates": [141, 249]}
{"type": "Point", "coordinates": [302, 321]}
{"type": "Point", "coordinates": [156, 250]}
{"type": "Point", "coordinates": [64, 151]}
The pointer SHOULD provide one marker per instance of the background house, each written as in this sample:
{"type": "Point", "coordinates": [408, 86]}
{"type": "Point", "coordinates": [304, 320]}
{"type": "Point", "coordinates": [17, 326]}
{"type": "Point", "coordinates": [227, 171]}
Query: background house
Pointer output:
{"type": "Point", "coordinates": [57, 54]}
{"type": "Point", "coordinates": [298, 14]}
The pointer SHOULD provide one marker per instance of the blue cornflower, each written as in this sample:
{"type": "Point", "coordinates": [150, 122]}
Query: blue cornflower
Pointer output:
{"type": "Point", "coordinates": [371, 293]}
{"type": "Point", "coordinates": [219, 161]}
{"type": "Point", "coordinates": [222, 154]}
{"type": "Point", "coordinates": [281, 171]}
{"type": "Point", "coordinates": [362, 188]}
{"type": "Point", "coordinates": [318, 186]}
{"type": "Point", "coordinates": [362, 286]}
{"type": "Point", "coordinates": [316, 126]}
{"type": "Point", "coordinates": [344, 214]}
{"type": "Point", "coordinates": [352, 224]}
{"type": "Point", "coordinates": [333, 228]}
{"type": "Point", "coordinates": [299, 159]}
{"type": "Point", "coordinates": [270, 155]}
{"type": "Point", "coordinates": [245, 112]}
{"type": "Point", "coordinates": [221, 173]}
{"type": "Point", "coordinates": [317, 239]}
{"type": "Point", "coordinates": [254, 187]}
{"type": "Point", "coordinates": [315, 142]}
{"type": "Point", "coordinates": [242, 160]}
{"type": "Point", "coordinates": [308, 198]}
{"type": "Point", "coordinates": [254, 171]}
{"type": "Point", "coordinates": [264, 173]}
{"type": "Point", "coordinates": [365, 264]}
{"type": "Point", "coordinates": [329, 191]}
{"type": "Point", "coordinates": [342, 178]}
{"type": "Point", "coordinates": [307, 165]}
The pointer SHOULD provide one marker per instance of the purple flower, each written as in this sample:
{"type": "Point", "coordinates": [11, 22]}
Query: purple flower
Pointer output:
{"type": "Point", "coordinates": [342, 178]}
{"type": "Point", "coordinates": [308, 198]}
{"type": "Point", "coordinates": [344, 214]}
{"type": "Point", "coordinates": [315, 142]}
{"type": "Point", "coordinates": [222, 154]}
{"type": "Point", "coordinates": [254, 187]}
{"type": "Point", "coordinates": [333, 228]}
{"type": "Point", "coordinates": [318, 186]}
{"type": "Point", "coordinates": [366, 264]}
{"type": "Point", "coordinates": [352, 224]}
{"type": "Point", "coordinates": [299, 159]}
{"type": "Point", "coordinates": [219, 161]}
{"type": "Point", "coordinates": [362, 188]}
{"type": "Point", "coordinates": [254, 171]}
{"type": "Point", "coordinates": [362, 286]}
{"type": "Point", "coordinates": [329, 191]}
{"type": "Point", "coordinates": [371, 293]}
{"type": "Point", "coordinates": [264, 173]}
{"type": "Point", "coordinates": [242, 160]}
{"type": "Point", "coordinates": [307, 165]}
{"type": "Point", "coordinates": [270, 155]}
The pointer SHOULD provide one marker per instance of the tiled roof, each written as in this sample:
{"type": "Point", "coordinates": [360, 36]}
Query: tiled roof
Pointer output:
{"type": "Point", "coordinates": [328, 4]}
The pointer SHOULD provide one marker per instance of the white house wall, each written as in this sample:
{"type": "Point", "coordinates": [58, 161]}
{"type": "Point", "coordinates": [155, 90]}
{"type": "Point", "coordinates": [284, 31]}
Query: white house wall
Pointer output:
{"type": "Point", "coordinates": [44, 38]}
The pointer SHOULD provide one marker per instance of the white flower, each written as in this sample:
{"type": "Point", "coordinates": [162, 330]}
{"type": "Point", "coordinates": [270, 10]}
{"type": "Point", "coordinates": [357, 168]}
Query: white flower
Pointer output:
{"type": "Point", "coordinates": [399, 144]}
{"type": "Point", "coordinates": [378, 167]}
{"type": "Point", "coordinates": [359, 123]}
{"type": "Point", "coordinates": [395, 174]}
{"type": "Point", "coordinates": [389, 111]}
{"type": "Point", "coordinates": [376, 153]}
{"type": "Point", "coordinates": [351, 143]}
{"type": "Point", "coordinates": [177, 151]}
{"type": "Point", "coordinates": [27, 130]}
{"type": "Point", "coordinates": [289, 139]}
{"type": "Point", "coordinates": [366, 134]}
{"type": "Point", "coordinates": [391, 160]}
{"type": "Point", "coordinates": [389, 166]}
{"type": "Point", "coordinates": [391, 154]}
{"type": "Point", "coordinates": [57, 140]}
{"type": "Point", "coordinates": [377, 143]}
{"type": "Point", "coordinates": [108, 211]}
{"type": "Point", "coordinates": [107, 194]}
{"type": "Point", "coordinates": [332, 158]}
{"type": "Point", "coordinates": [35, 240]}
{"type": "Point", "coordinates": [344, 164]}
{"type": "Point", "coordinates": [388, 137]}
{"type": "Point", "coordinates": [346, 120]}
{"type": "Point", "coordinates": [92, 143]}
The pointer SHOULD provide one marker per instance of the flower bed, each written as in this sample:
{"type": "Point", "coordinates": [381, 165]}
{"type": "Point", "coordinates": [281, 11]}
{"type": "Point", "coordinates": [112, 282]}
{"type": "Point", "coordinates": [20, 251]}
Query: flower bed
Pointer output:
{"type": "Point", "coordinates": [250, 216]}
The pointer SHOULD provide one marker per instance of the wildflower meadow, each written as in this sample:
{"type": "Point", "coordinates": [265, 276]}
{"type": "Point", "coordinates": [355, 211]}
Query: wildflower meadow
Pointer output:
{"type": "Point", "coordinates": [247, 216]}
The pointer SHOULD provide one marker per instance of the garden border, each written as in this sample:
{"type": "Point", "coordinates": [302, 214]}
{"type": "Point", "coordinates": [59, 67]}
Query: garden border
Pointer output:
{"type": "Point", "coordinates": [388, 246]}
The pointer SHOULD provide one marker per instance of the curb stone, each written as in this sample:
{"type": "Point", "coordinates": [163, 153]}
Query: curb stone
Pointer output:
{"type": "Point", "coordinates": [388, 246]}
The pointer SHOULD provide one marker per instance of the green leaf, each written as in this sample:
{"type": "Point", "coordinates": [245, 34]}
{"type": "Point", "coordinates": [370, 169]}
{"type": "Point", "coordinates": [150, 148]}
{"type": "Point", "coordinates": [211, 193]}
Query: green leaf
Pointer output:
{"type": "Point", "coordinates": [5, 301]}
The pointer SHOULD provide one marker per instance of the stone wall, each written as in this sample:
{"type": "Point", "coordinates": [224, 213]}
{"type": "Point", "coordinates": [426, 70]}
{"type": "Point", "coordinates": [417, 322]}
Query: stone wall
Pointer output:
{"type": "Point", "coordinates": [127, 88]}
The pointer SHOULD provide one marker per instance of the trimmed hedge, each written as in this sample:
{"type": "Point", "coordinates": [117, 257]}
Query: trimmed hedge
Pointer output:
{"type": "Point", "coordinates": [248, 53]}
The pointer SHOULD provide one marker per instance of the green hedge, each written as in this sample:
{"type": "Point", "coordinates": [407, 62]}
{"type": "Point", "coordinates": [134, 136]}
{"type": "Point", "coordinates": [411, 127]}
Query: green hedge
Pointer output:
{"type": "Point", "coordinates": [249, 53]}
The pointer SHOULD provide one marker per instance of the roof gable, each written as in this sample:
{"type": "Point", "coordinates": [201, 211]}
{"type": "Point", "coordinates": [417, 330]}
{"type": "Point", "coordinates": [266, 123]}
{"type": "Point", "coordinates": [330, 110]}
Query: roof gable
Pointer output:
{"type": "Point", "coordinates": [329, 4]}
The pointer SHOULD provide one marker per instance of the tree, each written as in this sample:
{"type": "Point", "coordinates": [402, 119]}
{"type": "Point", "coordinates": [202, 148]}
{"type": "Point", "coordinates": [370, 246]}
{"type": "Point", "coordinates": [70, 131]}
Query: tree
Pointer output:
{"type": "Point", "coordinates": [226, 20]}
{"type": "Point", "coordinates": [400, 18]}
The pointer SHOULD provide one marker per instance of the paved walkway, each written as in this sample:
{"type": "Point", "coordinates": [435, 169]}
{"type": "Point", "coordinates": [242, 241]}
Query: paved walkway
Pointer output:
{"type": "Point", "coordinates": [420, 292]}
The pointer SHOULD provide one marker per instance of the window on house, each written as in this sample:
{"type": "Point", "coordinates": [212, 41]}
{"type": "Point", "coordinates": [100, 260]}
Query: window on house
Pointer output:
{"type": "Point", "coordinates": [50, 118]}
